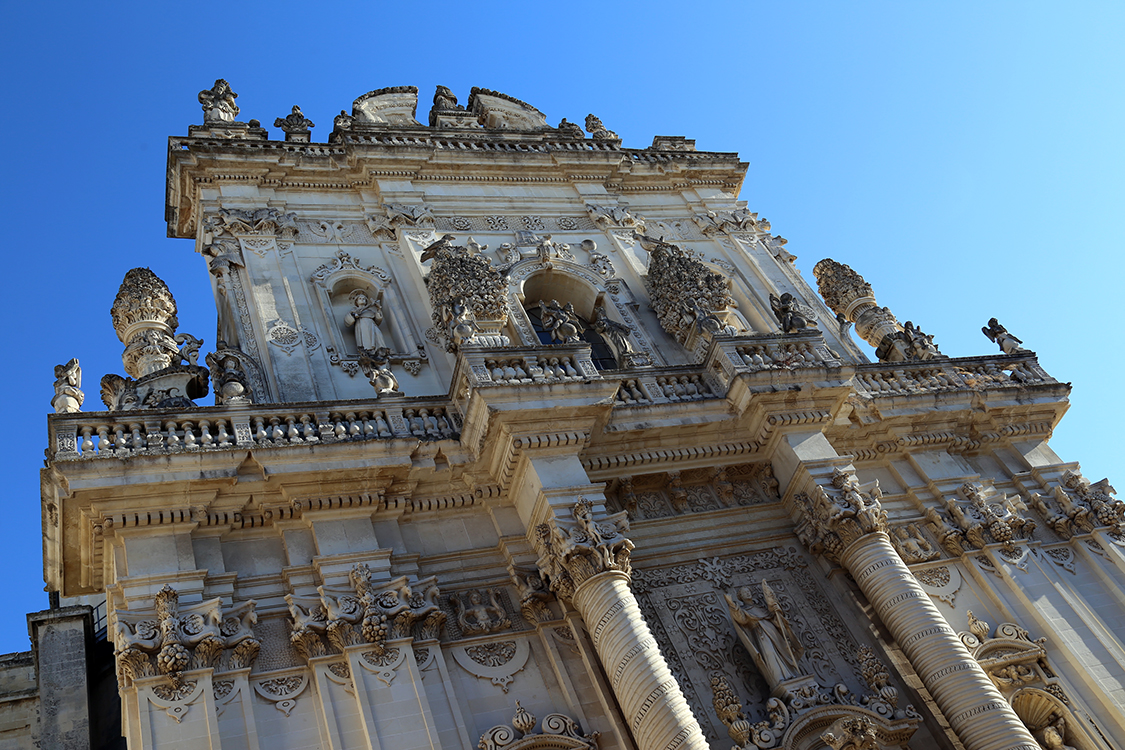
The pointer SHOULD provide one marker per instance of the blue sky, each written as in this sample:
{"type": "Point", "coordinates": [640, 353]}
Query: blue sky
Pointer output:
{"type": "Point", "coordinates": [967, 160]}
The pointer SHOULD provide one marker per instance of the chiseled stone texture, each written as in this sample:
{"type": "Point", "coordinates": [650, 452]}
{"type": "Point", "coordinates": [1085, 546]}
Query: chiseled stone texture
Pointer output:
{"type": "Point", "coordinates": [511, 412]}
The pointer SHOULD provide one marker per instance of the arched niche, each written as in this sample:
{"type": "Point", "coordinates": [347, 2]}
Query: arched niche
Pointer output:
{"type": "Point", "coordinates": [1037, 709]}
{"type": "Point", "coordinates": [568, 282]}
{"type": "Point", "coordinates": [336, 283]}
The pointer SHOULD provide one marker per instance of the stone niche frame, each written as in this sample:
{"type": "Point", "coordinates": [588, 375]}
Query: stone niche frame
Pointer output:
{"type": "Point", "coordinates": [340, 277]}
{"type": "Point", "coordinates": [590, 291]}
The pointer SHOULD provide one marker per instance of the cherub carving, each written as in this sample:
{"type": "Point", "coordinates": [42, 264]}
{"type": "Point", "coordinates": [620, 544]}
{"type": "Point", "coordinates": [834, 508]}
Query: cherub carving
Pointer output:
{"type": "Point", "coordinates": [792, 315]}
{"type": "Point", "coordinates": [561, 322]}
{"type": "Point", "coordinates": [475, 617]}
{"type": "Point", "coordinates": [68, 381]}
{"type": "Point", "coordinates": [911, 545]}
{"type": "Point", "coordinates": [461, 321]}
{"type": "Point", "coordinates": [999, 335]}
{"type": "Point", "coordinates": [218, 103]}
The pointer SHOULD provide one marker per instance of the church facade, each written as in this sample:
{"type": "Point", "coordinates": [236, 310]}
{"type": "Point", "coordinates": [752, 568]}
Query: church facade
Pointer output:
{"type": "Point", "coordinates": [525, 439]}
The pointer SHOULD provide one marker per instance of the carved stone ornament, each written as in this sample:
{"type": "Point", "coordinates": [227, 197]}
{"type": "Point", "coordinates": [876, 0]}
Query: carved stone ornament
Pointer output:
{"type": "Point", "coordinates": [297, 127]}
{"type": "Point", "coordinates": [792, 316]}
{"type": "Point", "coordinates": [979, 515]}
{"type": "Point", "coordinates": [576, 549]}
{"type": "Point", "coordinates": [68, 382]}
{"type": "Point", "coordinates": [144, 317]}
{"type": "Point", "coordinates": [467, 295]}
{"type": "Point", "coordinates": [1075, 506]}
{"type": "Point", "coordinates": [999, 335]}
{"type": "Point", "coordinates": [911, 545]}
{"type": "Point", "coordinates": [599, 131]}
{"type": "Point", "coordinates": [503, 112]}
{"type": "Point", "coordinates": [252, 223]}
{"type": "Point", "coordinates": [218, 103]}
{"type": "Point", "coordinates": [393, 105]}
{"type": "Point", "coordinates": [851, 298]}
{"type": "Point", "coordinates": [558, 732]}
{"type": "Point", "coordinates": [687, 296]}
{"type": "Point", "coordinates": [364, 613]}
{"type": "Point", "coordinates": [571, 129]}
{"type": "Point", "coordinates": [228, 375]}
{"type": "Point", "coordinates": [738, 220]}
{"type": "Point", "coordinates": [614, 216]}
{"type": "Point", "coordinates": [177, 639]}
{"type": "Point", "coordinates": [770, 639]}
{"type": "Point", "coordinates": [616, 334]}
{"type": "Point", "coordinates": [375, 366]}
{"type": "Point", "coordinates": [851, 733]}
{"type": "Point", "coordinates": [561, 322]}
{"type": "Point", "coordinates": [479, 612]}
{"type": "Point", "coordinates": [534, 595]}
{"type": "Point", "coordinates": [1010, 657]}
{"type": "Point", "coordinates": [834, 519]}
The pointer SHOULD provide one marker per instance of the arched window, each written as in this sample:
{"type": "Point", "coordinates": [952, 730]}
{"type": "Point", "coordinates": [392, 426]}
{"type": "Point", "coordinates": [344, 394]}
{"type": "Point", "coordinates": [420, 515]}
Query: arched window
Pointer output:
{"type": "Point", "coordinates": [600, 352]}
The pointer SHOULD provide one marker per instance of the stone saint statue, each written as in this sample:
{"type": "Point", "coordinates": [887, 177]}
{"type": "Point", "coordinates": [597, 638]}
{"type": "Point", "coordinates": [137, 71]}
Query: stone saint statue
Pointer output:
{"type": "Point", "coordinates": [767, 635]}
{"type": "Point", "coordinates": [1054, 734]}
{"type": "Point", "coordinates": [616, 333]}
{"type": "Point", "coordinates": [366, 315]}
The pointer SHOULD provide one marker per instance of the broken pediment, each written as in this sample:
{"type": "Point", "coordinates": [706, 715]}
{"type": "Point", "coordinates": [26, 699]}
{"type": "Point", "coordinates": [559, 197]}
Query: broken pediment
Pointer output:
{"type": "Point", "coordinates": [503, 112]}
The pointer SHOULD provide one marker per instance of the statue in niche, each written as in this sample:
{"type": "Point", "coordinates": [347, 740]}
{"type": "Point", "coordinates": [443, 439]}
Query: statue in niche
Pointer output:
{"type": "Point", "coordinates": [561, 322]}
{"type": "Point", "coordinates": [224, 262]}
{"type": "Point", "coordinates": [792, 316]}
{"type": "Point", "coordinates": [616, 333]}
{"type": "Point", "coordinates": [1054, 734]}
{"type": "Point", "coordinates": [999, 335]}
{"type": "Point", "coordinates": [365, 316]}
{"type": "Point", "coordinates": [767, 635]}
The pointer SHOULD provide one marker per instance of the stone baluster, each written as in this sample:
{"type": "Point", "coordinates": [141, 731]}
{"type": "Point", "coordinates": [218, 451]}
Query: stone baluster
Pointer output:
{"type": "Point", "coordinates": [587, 563]}
{"type": "Point", "coordinates": [844, 520]}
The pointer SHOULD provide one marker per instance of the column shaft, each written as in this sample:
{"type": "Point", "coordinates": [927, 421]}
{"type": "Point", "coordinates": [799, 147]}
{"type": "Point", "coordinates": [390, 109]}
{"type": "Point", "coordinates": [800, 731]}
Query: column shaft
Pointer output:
{"type": "Point", "coordinates": [655, 708]}
{"type": "Point", "coordinates": [979, 715]}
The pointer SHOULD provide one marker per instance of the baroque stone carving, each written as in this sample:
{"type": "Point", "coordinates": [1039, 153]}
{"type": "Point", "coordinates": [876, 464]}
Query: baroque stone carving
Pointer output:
{"type": "Point", "coordinates": [178, 639]}
{"type": "Point", "coordinates": [557, 731]}
{"type": "Point", "coordinates": [476, 616]}
{"type": "Point", "coordinates": [228, 373]}
{"type": "Point", "coordinates": [599, 131]}
{"type": "Point", "coordinates": [617, 334]}
{"type": "Point", "coordinates": [364, 613]}
{"type": "Point", "coordinates": [297, 127]}
{"type": "Point", "coordinates": [792, 316]}
{"type": "Point", "coordinates": [144, 317]}
{"type": "Point", "coordinates": [833, 520]}
{"type": "Point", "coordinates": [614, 216]}
{"type": "Point", "coordinates": [851, 298]}
{"type": "Point", "coordinates": [911, 545]}
{"type": "Point", "coordinates": [999, 335]}
{"type": "Point", "coordinates": [576, 549]}
{"type": "Point", "coordinates": [770, 639]}
{"type": "Point", "coordinates": [218, 103]}
{"type": "Point", "coordinates": [503, 112]}
{"type": "Point", "coordinates": [977, 515]}
{"type": "Point", "coordinates": [561, 322]}
{"type": "Point", "coordinates": [467, 295]}
{"type": "Point", "coordinates": [1075, 506]}
{"type": "Point", "coordinates": [738, 220]}
{"type": "Point", "coordinates": [533, 593]}
{"type": "Point", "coordinates": [687, 296]}
{"type": "Point", "coordinates": [392, 105]}
{"type": "Point", "coordinates": [68, 396]}
{"type": "Point", "coordinates": [365, 316]}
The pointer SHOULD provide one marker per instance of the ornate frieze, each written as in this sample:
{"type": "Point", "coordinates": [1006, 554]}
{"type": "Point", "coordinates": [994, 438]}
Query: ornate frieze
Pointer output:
{"type": "Point", "coordinates": [176, 639]}
{"type": "Point", "coordinates": [479, 612]}
{"type": "Point", "coordinates": [607, 217]}
{"type": "Point", "coordinates": [364, 613]}
{"type": "Point", "coordinates": [1075, 506]}
{"type": "Point", "coordinates": [977, 516]}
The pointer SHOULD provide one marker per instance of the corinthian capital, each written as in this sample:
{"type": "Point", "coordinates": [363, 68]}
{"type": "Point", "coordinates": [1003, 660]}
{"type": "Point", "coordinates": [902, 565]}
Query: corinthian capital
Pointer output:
{"type": "Point", "coordinates": [834, 519]}
{"type": "Point", "coordinates": [573, 550]}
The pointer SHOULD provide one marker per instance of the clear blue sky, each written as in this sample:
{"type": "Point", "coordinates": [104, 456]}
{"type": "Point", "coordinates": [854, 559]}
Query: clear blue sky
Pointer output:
{"type": "Point", "coordinates": [967, 161]}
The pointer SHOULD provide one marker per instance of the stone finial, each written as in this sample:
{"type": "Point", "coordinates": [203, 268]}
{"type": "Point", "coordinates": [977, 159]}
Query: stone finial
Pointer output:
{"type": "Point", "coordinates": [598, 130]}
{"type": "Point", "coordinates": [144, 317]}
{"type": "Point", "coordinates": [68, 379]}
{"type": "Point", "coordinates": [853, 301]}
{"type": "Point", "coordinates": [296, 126]}
{"type": "Point", "coordinates": [218, 103]}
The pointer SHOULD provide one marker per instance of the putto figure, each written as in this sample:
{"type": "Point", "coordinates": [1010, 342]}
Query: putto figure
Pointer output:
{"type": "Point", "coordinates": [218, 103]}
{"type": "Point", "coordinates": [999, 335]}
{"type": "Point", "coordinates": [68, 380]}
{"type": "Point", "coordinates": [561, 322]}
{"type": "Point", "coordinates": [792, 316]}
{"type": "Point", "coordinates": [365, 316]}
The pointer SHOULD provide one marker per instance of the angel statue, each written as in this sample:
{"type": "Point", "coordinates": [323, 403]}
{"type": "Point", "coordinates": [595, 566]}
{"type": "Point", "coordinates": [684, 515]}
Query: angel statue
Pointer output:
{"type": "Point", "coordinates": [218, 103]}
{"type": "Point", "coordinates": [617, 333]}
{"type": "Point", "coordinates": [68, 383]}
{"type": "Point", "coordinates": [999, 335]}
{"type": "Point", "coordinates": [791, 314]}
{"type": "Point", "coordinates": [560, 322]}
{"type": "Point", "coordinates": [767, 635]}
{"type": "Point", "coordinates": [366, 315]}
